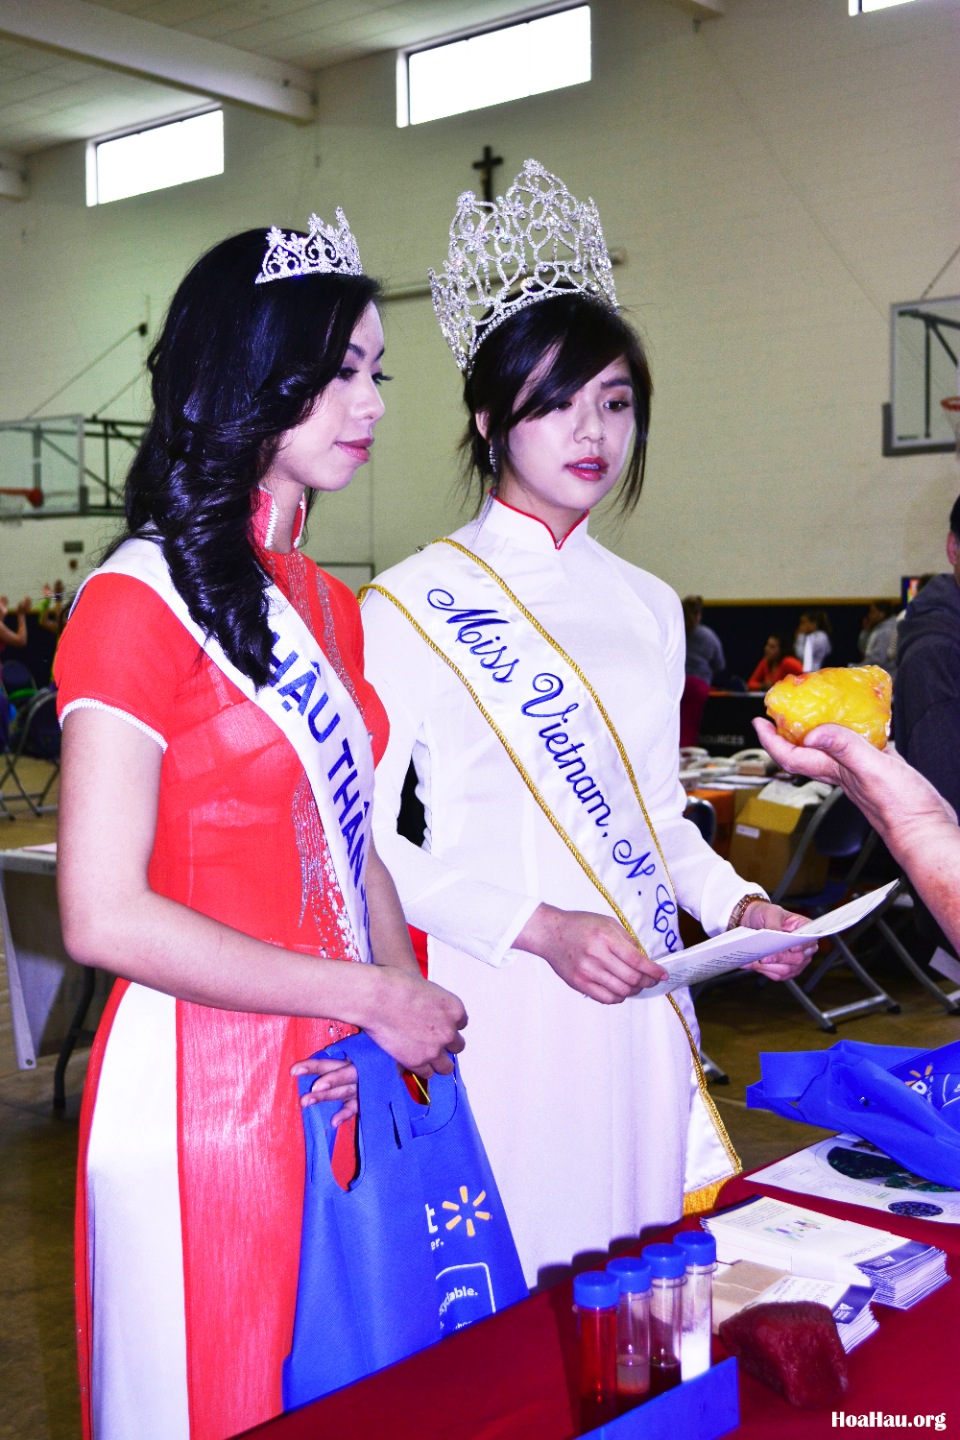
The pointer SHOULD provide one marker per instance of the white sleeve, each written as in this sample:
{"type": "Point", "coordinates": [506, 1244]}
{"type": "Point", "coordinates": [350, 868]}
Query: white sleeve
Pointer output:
{"type": "Point", "coordinates": [706, 886]}
{"type": "Point", "coordinates": [442, 899]}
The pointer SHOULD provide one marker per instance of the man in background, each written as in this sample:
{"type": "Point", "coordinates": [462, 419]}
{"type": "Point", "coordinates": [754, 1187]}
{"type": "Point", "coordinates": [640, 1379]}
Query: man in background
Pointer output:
{"type": "Point", "coordinates": [705, 658]}
{"type": "Point", "coordinates": [926, 695]}
{"type": "Point", "coordinates": [926, 692]}
{"type": "Point", "coordinates": [879, 636]}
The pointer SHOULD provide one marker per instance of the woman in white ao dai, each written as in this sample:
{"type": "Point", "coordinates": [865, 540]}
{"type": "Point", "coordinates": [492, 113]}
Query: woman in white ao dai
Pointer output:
{"type": "Point", "coordinates": [582, 1093]}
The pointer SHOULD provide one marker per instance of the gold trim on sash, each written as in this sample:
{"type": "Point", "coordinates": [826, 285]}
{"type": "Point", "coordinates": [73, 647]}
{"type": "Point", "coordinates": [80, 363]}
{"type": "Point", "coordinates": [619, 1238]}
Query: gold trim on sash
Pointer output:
{"type": "Point", "coordinates": [545, 635]}
{"type": "Point", "coordinates": [701, 1199]}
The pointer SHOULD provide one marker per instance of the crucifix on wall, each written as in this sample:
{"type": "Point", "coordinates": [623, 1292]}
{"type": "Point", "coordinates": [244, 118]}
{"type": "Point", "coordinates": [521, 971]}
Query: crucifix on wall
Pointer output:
{"type": "Point", "coordinates": [487, 163]}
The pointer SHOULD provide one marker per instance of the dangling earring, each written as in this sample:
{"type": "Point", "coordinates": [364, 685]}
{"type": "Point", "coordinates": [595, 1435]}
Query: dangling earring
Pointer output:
{"type": "Point", "coordinates": [493, 460]}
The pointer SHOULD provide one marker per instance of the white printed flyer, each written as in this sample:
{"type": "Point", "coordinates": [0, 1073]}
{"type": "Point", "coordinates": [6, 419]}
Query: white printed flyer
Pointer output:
{"type": "Point", "coordinates": [856, 1172]}
{"type": "Point", "coordinates": [737, 948]}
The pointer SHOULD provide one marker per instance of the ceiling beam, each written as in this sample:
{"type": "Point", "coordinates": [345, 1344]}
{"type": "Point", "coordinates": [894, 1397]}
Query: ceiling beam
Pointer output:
{"type": "Point", "coordinates": [13, 180]}
{"type": "Point", "coordinates": [157, 52]}
{"type": "Point", "coordinates": [702, 9]}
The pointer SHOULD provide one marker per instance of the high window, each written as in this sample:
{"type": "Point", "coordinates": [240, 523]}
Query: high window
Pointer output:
{"type": "Point", "coordinates": [155, 158]}
{"type": "Point", "coordinates": [489, 67]}
{"type": "Point", "coordinates": [863, 7]}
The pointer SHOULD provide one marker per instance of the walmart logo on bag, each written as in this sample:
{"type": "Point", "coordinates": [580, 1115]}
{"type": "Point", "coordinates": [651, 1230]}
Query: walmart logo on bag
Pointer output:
{"type": "Point", "coordinates": [468, 1206]}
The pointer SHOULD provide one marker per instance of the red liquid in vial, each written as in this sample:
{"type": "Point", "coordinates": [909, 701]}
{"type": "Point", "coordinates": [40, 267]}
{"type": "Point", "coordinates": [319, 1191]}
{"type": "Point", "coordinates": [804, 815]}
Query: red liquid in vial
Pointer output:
{"type": "Point", "coordinates": [663, 1376]}
{"type": "Point", "coordinates": [598, 1376]}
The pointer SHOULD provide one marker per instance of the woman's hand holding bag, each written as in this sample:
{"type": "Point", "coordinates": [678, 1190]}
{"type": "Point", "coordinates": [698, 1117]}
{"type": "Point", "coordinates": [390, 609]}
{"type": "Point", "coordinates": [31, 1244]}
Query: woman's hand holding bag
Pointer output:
{"type": "Point", "coordinates": [417, 1247]}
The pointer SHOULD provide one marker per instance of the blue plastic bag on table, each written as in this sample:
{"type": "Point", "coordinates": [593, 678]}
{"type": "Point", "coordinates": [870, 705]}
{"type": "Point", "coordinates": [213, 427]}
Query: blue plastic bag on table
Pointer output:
{"type": "Point", "coordinates": [904, 1101]}
{"type": "Point", "coordinates": [418, 1247]}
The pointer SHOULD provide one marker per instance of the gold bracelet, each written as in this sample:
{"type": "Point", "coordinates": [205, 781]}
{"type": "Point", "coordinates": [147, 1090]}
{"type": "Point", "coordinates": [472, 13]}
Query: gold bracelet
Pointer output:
{"type": "Point", "coordinates": [741, 907]}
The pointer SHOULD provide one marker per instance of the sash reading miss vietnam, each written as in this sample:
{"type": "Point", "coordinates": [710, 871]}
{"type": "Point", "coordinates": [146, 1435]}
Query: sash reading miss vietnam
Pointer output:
{"type": "Point", "coordinates": [560, 739]}
{"type": "Point", "coordinates": [309, 704]}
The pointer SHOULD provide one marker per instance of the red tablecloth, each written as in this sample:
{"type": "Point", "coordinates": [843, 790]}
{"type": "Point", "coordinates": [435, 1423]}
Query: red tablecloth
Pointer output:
{"type": "Point", "coordinates": [509, 1377]}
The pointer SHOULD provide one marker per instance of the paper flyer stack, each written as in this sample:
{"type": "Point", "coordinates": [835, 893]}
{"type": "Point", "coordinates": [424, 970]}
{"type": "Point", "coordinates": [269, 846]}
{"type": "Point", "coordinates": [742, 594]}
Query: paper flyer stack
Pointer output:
{"type": "Point", "coordinates": [820, 1247]}
{"type": "Point", "coordinates": [742, 1283]}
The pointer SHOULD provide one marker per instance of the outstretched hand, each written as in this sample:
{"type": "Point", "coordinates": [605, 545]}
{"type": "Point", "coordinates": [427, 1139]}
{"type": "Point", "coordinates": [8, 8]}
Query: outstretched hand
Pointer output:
{"type": "Point", "coordinates": [895, 798]}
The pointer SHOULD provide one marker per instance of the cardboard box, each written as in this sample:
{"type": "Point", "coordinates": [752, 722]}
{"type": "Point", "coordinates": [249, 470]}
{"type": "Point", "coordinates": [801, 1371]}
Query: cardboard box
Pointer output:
{"type": "Point", "coordinates": [765, 838]}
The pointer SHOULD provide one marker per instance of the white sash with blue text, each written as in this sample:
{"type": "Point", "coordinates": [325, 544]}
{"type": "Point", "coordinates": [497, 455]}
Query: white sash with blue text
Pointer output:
{"type": "Point", "coordinates": [309, 704]}
{"type": "Point", "coordinates": [561, 741]}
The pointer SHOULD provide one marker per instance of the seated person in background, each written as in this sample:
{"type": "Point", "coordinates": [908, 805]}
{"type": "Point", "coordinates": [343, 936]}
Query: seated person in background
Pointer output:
{"type": "Point", "coordinates": [913, 820]}
{"type": "Point", "coordinates": [17, 638]}
{"type": "Point", "coordinates": [52, 614]}
{"type": "Point", "coordinates": [705, 657]}
{"type": "Point", "coordinates": [813, 643]}
{"type": "Point", "coordinates": [877, 641]}
{"type": "Point", "coordinates": [776, 664]}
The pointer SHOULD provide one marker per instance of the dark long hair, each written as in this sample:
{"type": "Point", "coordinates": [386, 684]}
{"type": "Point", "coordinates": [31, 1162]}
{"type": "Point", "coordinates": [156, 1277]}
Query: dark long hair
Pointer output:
{"type": "Point", "coordinates": [583, 337]}
{"type": "Point", "coordinates": [236, 366]}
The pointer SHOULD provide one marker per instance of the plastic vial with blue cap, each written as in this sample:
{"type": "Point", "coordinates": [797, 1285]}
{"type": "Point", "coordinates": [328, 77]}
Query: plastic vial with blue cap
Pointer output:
{"type": "Point", "coordinates": [700, 1253]}
{"type": "Point", "coordinates": [595, 1298]}
{"type": "Point", "coordinates": [668, 1268]}
{"type": "Point", "coordinates": [633, 1330]}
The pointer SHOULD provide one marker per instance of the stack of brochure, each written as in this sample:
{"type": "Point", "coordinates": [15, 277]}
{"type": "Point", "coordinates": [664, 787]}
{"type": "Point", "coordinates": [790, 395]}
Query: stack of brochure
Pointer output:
{"type": "Point", "coordinates": [743, 1283]}
{"type": "Point", "coordinates": [819, 1247]}
{"type": "Point", "coordinates": [849, 1305]}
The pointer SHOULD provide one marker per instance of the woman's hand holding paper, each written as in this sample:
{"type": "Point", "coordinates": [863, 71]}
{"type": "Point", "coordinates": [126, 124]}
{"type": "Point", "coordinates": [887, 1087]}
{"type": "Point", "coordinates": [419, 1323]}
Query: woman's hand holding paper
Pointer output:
{"type": "Point", "coordinates": [765, 915]}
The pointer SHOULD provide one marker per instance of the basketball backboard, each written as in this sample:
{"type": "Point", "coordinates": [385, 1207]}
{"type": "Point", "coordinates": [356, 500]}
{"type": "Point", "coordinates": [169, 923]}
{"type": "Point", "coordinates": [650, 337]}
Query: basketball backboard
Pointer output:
{"type": "Point", "coordinates": [924, 353]}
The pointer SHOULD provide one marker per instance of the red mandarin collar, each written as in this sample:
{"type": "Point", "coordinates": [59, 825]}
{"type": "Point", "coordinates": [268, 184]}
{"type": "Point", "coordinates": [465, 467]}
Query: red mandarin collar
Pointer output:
{"type": "Point", "coordinates": [264, 520]}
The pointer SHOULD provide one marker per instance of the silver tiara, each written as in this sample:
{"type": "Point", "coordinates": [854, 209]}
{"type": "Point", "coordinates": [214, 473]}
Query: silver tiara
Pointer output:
{"type": "Point", "coordinates": [324, 250]}
{"type": "Point", "coordinates": [533, 243]}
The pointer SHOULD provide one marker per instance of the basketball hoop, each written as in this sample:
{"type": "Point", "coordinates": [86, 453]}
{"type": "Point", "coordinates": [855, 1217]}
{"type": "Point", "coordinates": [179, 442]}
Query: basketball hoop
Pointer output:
{"type": "Point", "coordinates": [13, 502]}
{"type": "Point", "coordinates": [951, 406]}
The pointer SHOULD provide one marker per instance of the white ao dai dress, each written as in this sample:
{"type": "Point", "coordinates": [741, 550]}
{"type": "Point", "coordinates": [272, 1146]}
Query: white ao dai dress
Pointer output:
{"type": "Point", "coordinates": [583, 1107]}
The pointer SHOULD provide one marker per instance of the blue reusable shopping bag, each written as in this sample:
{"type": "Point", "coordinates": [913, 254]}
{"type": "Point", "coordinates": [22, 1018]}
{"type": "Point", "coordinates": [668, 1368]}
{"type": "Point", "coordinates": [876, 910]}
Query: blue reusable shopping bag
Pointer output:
{"type": "Point", "coordinates": [418, 1246]}
{"type": "Point", "coordinates": [902, 1100]}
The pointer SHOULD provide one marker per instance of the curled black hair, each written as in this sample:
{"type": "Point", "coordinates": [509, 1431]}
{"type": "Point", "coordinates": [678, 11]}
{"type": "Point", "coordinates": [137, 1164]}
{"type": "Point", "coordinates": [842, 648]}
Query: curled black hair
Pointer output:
{"type": "Point", "coordinates": [581, 336]}
{"type": "Point", "coordinates": [236, 366]}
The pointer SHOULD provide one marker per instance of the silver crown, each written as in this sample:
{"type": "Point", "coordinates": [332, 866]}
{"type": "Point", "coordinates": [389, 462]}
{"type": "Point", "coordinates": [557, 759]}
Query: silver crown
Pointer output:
{"type": "Point", "coordinates": [324, 250]}
{"type": "Point", "coordinates": [532, 244]}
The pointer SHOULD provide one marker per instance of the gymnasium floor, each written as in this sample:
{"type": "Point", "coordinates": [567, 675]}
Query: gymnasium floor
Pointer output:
{"type": "Point", "coordinates": [38, 1155]}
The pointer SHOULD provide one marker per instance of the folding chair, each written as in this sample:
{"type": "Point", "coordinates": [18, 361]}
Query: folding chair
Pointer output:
{"type": "Point", "coordinates": [18, 682]}
{"type": "Point", "coordinates": [701, 813]}
{"type": "Point", "coordinates": [34, 735]}
{"type": "Point", "coordinates": [839, 831]}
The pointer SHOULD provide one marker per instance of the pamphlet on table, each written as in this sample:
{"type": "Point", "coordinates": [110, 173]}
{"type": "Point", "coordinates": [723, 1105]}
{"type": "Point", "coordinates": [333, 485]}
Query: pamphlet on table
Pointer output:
{"type": "Point", "coordinates": [742, 1283]}
{"type": "Point", "coordinates": [737, 948]}
{"type": "Point", "coordinates": [855, 1172]}
{"type": "Point", "coordinates": [821, 1247]}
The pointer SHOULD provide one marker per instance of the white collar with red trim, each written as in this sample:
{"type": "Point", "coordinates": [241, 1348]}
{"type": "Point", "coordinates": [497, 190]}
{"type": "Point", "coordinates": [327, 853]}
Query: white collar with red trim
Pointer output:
{"type": "Point", "coordinates": [528, 531]}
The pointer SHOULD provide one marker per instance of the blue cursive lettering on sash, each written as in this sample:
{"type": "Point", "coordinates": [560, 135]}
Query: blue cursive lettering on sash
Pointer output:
{"type": "Point", "coordinates": [348, 805]}
{"type": "Point", "coordinates": [666, 908]}
{"type": "Point", "coordinates": [472, 627]}
{"type": "Point", "coordinates": [562, 750]}
{"type": "Point", "coordinates": [549, 704]}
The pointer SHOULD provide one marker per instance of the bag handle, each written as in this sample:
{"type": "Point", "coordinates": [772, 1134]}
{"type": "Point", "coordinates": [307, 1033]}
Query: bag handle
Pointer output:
{"type": "Point", "coordinates": [382, 1119]}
